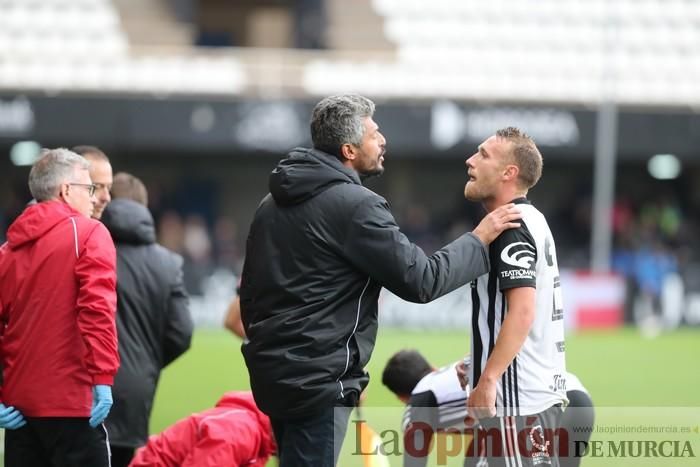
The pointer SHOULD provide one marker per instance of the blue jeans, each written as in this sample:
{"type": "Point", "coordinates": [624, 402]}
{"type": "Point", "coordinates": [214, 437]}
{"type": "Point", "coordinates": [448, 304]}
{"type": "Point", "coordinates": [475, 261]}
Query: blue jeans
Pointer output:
{"type": "Point", "coordinates": [315, 440]}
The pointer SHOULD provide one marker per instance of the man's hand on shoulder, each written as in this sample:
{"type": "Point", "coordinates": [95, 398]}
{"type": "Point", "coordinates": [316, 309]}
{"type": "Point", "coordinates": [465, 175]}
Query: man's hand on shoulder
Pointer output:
{"type": "Point", "coordinates": [497, 221]}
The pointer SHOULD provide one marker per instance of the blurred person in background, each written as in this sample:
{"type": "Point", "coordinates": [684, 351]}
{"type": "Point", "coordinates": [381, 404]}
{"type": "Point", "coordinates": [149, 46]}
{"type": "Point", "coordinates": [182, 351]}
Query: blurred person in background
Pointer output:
{"type": "Point", "coordinates": [171, 232]}
{"type": "Point", "coordinates": [197, 253]}
{"type": "Point", "coordinates": [653, 265]}
{"type": "Point", "coordinates": [232, 320]}
{"type": "Point", "coordinates": [100, 174]}
{"type": "Point", "coordinates": [320, 248]}
{"type": "Point", "coordinates": [57, 321]}
{"type": "Point", "coordinates": [225, 240]}
{"type": "Point", "coordinates": [517, 342]}
{"type": "Point", "coordinates": [232, 434]}
{"type": "Point", "coordinates": [153, 318]}
{"type": "Point", "coordinates": [436, 401]}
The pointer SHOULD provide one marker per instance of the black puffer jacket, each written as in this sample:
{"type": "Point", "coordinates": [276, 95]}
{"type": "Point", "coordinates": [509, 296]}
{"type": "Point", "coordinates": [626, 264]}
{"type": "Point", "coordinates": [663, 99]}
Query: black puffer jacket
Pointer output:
{"type": "Point", "coordinates": [154, 325]}
{"type": "Point", "coordinates": [320, 248]}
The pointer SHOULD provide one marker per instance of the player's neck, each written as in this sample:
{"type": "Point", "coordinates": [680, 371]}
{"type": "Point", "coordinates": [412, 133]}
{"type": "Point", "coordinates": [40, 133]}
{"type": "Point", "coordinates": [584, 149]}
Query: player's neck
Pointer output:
{"type": "Point", "coordinates": [505, 196]}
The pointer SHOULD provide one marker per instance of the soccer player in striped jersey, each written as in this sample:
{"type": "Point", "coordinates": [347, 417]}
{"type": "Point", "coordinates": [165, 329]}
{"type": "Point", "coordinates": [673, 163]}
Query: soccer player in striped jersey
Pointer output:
{"type": "Point", "coordinates": [436, 400]}
{"type": "Point", "coordinates": [517, 345]}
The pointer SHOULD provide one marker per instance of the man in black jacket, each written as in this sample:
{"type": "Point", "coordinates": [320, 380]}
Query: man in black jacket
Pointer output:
{"type": "Point", "coordinates": [154, 326]}
{"type": "Point", "coordinates": [320, 248]}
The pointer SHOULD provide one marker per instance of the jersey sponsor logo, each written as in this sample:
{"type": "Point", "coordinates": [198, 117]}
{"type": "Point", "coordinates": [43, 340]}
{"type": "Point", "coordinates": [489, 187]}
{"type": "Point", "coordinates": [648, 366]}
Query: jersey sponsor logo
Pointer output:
{"type": "Point", "coordinates": [540, 446]}
{"type": "Point", "coordinates": [515, 274]}
{"type": "Point", "coordinates": [519, 254]}
{"type": "Point", "coordinates": [561, 346]}
{"type": "Point", "coordinates": [558, 383]}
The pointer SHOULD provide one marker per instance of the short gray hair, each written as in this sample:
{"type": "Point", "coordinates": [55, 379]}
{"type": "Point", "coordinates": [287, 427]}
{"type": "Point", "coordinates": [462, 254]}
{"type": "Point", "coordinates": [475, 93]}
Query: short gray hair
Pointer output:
{"type": "Point", "coordinates": [56, 166]}
{"type": "Point", "coordinates": [338, 120]}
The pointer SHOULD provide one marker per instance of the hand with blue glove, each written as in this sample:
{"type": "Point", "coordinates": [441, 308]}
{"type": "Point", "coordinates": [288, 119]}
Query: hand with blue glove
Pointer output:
{"type": "Point", "coordinates": [101, 403]}
{"type": "Point", "coordinates": [11, 418]}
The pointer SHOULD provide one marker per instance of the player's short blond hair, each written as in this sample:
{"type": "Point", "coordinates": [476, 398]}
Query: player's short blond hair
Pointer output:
{"type": "Point", "coordinates": [525, 155]}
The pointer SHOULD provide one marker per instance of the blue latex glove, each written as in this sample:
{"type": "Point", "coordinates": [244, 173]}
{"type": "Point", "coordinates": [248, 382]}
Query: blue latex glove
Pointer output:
{"type": "Point", "coordinates": [101, 403]}
{"type": "Point", "coordinates": [11, 418]}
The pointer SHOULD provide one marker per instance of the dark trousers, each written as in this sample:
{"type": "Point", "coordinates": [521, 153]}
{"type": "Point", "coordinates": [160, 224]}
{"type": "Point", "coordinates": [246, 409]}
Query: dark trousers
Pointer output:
{"type": "Point", "coordinates": [57, 442]}
{"type": "Point", "coordinates": [314, 440]}
{"type": "Point", "coordinates": [578, 421]}
{"type": "Point", "coordinates": [530, 440]}
{"type": "Point", "coordinates": [121, 455]}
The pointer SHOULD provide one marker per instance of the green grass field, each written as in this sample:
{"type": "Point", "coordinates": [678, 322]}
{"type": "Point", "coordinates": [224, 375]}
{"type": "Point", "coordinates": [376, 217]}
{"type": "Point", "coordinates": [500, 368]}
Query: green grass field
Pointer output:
{"type": "Point", "coordinates": [620, 369]}
{"type": "Point", "coordinates": [632, 380]}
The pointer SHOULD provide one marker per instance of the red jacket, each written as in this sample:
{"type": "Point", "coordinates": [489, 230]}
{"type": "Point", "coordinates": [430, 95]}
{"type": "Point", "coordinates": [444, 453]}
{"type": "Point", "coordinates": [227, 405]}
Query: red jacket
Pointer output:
{"type": "Point", "coordinates": [235, 433]}
{"type": "Point", "coordinates": [57, 311]}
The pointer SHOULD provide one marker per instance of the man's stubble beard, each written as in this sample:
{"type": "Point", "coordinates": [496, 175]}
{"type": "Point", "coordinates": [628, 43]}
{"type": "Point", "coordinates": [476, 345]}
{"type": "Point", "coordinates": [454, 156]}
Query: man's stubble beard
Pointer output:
{"type": "Point", "coordinates": [371, 174]}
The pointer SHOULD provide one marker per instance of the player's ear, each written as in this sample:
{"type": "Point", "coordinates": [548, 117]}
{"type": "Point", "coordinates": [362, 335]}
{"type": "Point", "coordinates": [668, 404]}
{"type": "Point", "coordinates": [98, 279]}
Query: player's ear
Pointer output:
{"type": "Point", "coordinates": [511, 172]}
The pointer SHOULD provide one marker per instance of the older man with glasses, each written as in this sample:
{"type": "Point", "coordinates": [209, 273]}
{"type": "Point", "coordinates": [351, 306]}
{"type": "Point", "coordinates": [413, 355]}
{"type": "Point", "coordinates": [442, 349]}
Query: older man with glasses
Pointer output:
{"type": "Point", "coordinates": [91, 187]}
{"type": "Point", "coordinates": [58, 344]}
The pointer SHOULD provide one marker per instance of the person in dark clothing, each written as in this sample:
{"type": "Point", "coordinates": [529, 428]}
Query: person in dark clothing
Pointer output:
{"type": "Point", "coordinates": [320, 248]}
{"type": "Point", "coordinates": [153, 319]}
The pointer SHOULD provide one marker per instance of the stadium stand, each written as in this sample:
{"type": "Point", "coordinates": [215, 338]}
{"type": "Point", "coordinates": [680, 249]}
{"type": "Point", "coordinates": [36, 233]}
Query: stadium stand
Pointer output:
{"type": "Point", "coordinates": [568, 51]}
{"type": "Point", "coordinates": [81, 45]}
{"type": "Point", "coordinates": [632, 52]}
{"type": "Point", "coordinates": [152, 22]}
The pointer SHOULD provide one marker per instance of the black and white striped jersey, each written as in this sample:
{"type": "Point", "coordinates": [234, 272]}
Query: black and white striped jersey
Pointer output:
{"type": "Point", "coordinates": [440, 392]}
{"type": "Point", "coordinates": [437, 403]}
{"type": "Point", "coordinates": [437, 400]}
{"type": "Point", "coordinates": [522, 257]}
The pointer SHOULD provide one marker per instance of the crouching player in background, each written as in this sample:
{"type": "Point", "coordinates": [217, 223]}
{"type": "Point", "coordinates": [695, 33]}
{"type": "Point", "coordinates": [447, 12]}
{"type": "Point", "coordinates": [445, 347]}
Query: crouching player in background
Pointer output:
{"type": "Point", "coordinates": [436, 402]}
{"type": "Point", "coordinates": [234, 433]}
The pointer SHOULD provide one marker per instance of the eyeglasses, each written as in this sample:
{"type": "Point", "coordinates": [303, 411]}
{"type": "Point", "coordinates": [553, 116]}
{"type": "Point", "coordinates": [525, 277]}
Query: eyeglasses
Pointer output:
{"type": "Point", "coordinates": [90, 187]}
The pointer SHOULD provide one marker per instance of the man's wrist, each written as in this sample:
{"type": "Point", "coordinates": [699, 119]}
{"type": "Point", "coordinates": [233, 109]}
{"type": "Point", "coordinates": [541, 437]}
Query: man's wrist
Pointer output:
{"type": "Point", "coordinates": [480, 236]}
{"type": "Point", "coordinates": [489, 378]}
